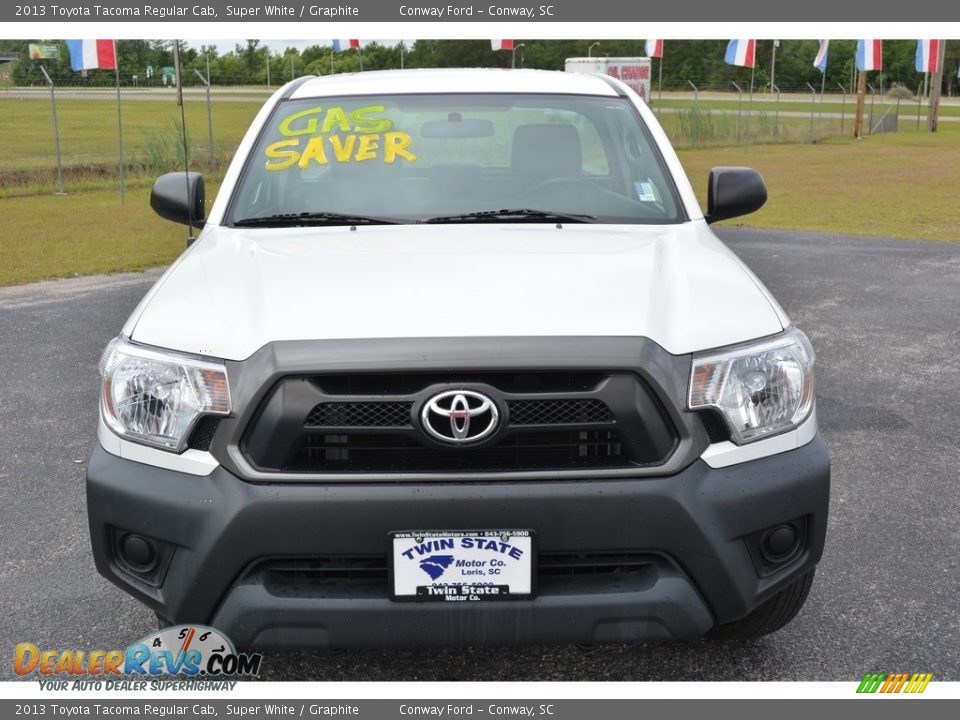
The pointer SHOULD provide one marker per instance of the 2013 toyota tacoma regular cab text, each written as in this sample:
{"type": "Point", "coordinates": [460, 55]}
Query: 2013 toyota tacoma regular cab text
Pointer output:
{"type": "Point", "coordinates": [457, 359]}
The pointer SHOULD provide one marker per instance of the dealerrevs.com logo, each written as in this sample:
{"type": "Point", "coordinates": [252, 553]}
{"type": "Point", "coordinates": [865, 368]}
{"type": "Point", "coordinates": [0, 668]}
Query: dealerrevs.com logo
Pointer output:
{"type": "Point", "coordinates": [202, 656]}
{"type": "Point", "coordinates": [888, 683]}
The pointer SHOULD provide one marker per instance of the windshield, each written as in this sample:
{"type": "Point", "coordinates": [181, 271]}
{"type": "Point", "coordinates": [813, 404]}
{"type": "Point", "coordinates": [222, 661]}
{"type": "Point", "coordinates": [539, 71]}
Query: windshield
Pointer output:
{"type": "Point", "coordinates": [454, 158]}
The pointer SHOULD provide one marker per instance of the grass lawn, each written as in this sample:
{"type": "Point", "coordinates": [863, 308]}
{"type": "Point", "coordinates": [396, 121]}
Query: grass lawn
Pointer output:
{"type": "Point", "coordinates": [48, 236]}
{"type": "Point", "coordinates": [901, 185]}
{"type": "Point", "coordinates": [88, 129]}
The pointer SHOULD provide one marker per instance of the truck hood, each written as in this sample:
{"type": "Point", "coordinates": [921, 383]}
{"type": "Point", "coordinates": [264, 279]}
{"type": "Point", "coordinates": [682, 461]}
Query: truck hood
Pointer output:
{"type": "Point", "coordinates": [236, 290]}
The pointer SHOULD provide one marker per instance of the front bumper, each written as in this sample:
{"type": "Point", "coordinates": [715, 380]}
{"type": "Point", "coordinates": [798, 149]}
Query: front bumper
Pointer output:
{"type": "Point", "coordinates": [696, 526]}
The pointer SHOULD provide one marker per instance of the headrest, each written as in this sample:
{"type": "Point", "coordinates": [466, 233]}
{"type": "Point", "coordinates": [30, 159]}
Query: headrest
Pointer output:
{"type": "Point", "coordinates": [548, 149]}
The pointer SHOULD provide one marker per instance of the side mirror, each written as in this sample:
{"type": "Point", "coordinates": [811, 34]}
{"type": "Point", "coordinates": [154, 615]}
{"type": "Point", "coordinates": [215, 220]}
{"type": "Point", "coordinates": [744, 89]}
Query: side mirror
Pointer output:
{"type": "Point", "coordinates": [179, 197]}
{"type": "Point", "coordinates": [734, 191]}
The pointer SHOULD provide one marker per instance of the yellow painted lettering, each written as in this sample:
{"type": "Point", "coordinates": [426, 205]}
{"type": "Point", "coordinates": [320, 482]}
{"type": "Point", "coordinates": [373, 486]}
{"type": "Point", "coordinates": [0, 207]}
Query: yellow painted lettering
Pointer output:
{"type": "Point", "coordinates": [313, 151]}
{"type": "Point", "coordinates": [284, 158]}
{"type": "Point", "coordinates": [368, 148]}
{"type": "Point", "coordinates": [309, 128]}
{"type": "Point", "coordinates": [395, 145]}
{"type": "Point", "coordinates": [335, 116]}
{"type": "Point", "coordinates": [343, 147]}
{"type": "Point", "coordinates": [364, 124]}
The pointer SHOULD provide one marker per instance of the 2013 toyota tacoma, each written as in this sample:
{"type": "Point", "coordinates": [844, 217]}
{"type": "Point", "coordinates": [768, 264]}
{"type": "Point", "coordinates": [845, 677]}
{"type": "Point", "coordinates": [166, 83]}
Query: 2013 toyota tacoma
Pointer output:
{"type": "Point", "coordinates": [456, 359]}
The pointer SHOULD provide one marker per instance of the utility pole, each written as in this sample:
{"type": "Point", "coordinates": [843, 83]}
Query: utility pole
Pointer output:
{"type": "Point", "coordinates": [861, 93]}
{"type": "Point", "coordinates": [934, 107]}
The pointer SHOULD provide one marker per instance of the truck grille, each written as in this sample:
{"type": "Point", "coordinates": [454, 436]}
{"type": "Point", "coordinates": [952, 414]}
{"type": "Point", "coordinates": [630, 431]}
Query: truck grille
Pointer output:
{"type": "Point", "coordinates": [360, 414]}
{"type": "Point", "coordinates": [558, 412]}
{"type": "Point", "coordinates": [367, 569]}
{"type": "Point", "coordinates": [400, 453]}
{"type": "Point", "coordinates": [370, 423]}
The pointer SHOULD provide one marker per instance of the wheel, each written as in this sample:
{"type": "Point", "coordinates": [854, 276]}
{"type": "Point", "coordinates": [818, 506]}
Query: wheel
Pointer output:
{"type": "Point", "coordinates": [770, 616]}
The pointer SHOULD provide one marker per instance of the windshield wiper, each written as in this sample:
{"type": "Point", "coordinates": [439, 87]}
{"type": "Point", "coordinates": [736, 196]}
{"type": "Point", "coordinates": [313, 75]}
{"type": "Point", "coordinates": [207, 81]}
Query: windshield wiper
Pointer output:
{"type": "Point", "coordinates": [305, 219]}
{"type": "Point", "coordinates": [511, 216]}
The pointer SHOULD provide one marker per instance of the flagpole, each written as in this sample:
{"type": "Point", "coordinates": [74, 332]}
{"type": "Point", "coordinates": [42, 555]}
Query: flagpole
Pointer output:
{"type": "Point", "coordinates": [936, 82]}
{"type": "Point", "coordinates": [660, 83]}
{"type": "Point", "coordinates": [753, 70]}
{"type": "Point", "coordinates": [116, 67]}
{"type": "Point", "coordinates": [360, 55]}
{"type": "Point", "coordinates": [861, 93]}
{"type": "Point", "coordinates": [823, 87]}
{"type": "Point", "coordinates": [56, 130]}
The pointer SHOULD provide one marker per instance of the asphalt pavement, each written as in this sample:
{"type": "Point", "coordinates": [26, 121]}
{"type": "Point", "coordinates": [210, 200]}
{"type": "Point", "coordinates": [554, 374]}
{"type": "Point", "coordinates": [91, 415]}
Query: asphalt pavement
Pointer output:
{"type": "Point", "coordinates": [884, 317]}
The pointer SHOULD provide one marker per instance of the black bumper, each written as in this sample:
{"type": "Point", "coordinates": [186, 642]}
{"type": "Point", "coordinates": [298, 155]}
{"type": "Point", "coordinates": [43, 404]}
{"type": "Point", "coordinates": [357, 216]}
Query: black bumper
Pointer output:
{"type": "Point", "coordinates": [698, 528]}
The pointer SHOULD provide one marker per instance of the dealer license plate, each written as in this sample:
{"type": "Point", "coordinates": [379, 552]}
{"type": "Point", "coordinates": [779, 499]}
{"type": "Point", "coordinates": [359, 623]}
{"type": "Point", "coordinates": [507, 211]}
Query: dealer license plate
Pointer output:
{"type": "Point", "coordinates": [462, 566]}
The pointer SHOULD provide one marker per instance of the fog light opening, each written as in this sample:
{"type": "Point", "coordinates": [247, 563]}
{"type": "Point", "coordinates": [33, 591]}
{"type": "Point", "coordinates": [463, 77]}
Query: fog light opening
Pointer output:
{"type": "Point", "coordinates": [780, 543]}
{"type": "Point", "coordinates": [138, 553]}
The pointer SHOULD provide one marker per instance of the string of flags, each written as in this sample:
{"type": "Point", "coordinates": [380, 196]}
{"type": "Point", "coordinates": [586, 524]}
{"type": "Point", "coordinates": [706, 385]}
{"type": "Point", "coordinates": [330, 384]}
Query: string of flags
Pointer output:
{"type": "Point", "coordinates": [869, 54]}
{"type": "Point", "coordinates": [102, 54]}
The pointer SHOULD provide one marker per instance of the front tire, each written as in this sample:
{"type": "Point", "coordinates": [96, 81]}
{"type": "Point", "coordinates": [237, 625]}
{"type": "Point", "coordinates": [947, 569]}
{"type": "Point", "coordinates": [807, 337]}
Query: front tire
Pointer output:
{"type": "Point", "coordinates": [769, 616]}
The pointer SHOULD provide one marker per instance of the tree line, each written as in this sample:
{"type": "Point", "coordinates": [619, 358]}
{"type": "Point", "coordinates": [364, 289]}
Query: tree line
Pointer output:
{"type": "Point", "coordinates": [697, 61]}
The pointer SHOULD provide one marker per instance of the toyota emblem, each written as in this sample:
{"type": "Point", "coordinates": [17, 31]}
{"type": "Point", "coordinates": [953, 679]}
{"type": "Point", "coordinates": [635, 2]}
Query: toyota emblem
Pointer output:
{"type": "Point", "coordinates": [460, 416]}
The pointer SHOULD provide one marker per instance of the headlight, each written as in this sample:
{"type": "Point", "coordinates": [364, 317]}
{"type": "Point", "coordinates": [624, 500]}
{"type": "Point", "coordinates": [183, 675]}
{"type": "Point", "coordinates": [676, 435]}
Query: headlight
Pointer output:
{"type": "Point", "coordinates": [154, 398]}
{"type": "Point", "coordinates": [761, 389]}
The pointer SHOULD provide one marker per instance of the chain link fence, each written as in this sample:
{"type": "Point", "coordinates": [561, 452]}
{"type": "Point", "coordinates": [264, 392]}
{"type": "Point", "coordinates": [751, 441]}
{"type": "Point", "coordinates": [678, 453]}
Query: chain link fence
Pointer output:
{"type": "Point", "coordinates": [67, 140]}
{"type": "Point", "coordinates": [66, 137]}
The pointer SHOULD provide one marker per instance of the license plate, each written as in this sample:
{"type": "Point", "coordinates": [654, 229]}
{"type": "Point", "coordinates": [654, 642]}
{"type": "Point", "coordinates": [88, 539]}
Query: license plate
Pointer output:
{"type": "Point", "coordinates": [462, 566]}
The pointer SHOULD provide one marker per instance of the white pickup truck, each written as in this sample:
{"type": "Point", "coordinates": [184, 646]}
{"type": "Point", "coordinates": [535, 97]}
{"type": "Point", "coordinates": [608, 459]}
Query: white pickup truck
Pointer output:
{"type": "Point", "coordinates": [456, 359]}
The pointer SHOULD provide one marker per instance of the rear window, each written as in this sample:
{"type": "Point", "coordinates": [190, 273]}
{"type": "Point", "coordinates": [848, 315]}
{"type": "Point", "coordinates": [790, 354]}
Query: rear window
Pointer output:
{"type": "Point", "coordinates": [412, 158]}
